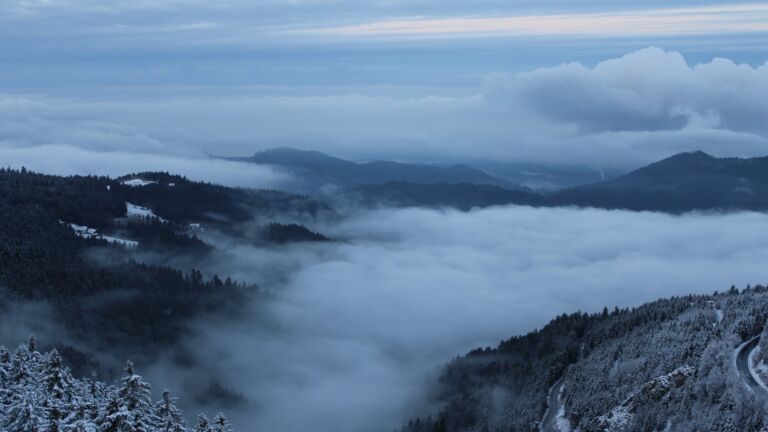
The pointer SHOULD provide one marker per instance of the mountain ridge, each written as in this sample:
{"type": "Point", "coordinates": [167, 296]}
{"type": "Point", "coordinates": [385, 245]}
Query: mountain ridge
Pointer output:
{"type": "Point", "coordinates": [693, 181]}
{"type": "Point", "coordinates": [315, 168]}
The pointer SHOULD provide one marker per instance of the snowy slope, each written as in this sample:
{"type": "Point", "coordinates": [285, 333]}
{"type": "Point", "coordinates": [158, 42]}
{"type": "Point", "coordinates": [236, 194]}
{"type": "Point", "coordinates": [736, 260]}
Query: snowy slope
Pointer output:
{"type": "Point", "coordinates": [139, 212]}
{"type": "Point", "coordinates": [137, 182]}
{"type": "Point", "coordinates": [86, 232]}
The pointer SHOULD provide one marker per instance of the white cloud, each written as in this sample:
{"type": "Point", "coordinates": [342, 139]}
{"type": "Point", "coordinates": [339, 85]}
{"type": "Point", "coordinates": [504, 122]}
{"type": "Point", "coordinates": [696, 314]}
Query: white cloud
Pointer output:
{"type": "Point", "coordinates": [649, 103]}
{"type": "Point", "coordinates": [358, 326]}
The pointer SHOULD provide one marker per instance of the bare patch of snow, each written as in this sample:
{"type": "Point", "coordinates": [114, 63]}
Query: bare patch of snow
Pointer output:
{"type": "Point", "coordinates": [88, 233]}
{"type": "Point", "coordinates": [562, 422]}
{"type": "Point", "coordinates": [137, 182]}
{"type": "Point", "coordinates": [137, 211]}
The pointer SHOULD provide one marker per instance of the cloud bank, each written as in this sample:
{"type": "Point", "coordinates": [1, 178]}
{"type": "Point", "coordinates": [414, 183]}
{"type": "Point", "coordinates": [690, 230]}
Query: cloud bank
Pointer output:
{"type": "Point", "coordinates": [620, 114]}
{"type": "Point", "coordinates": [644, 105]}
{"type": "Point", "coordinates": [358, 327]}
{"type": "Point", "coordinates": [68, 160]}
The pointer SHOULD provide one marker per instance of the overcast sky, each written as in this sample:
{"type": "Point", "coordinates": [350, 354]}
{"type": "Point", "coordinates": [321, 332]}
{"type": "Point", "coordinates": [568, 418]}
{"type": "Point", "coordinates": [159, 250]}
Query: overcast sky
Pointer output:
{"type": "Point", "coordinates": [545, 81]}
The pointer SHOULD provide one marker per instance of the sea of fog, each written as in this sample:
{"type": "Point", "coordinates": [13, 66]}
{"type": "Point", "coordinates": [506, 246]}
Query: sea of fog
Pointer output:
{"type": "Point", "coordinates": [358, 328]}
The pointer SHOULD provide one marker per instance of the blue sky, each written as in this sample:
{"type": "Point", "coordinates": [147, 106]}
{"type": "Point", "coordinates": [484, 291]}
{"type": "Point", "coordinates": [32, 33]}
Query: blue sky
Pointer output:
{"type": "Point", "coordinates": [396, 79]}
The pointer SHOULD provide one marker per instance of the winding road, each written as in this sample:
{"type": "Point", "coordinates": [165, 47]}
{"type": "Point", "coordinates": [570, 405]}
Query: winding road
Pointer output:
{"type": "Point", "coordinates": [742, 364]}
{"type": "Point", "coordinates": [549, 421]}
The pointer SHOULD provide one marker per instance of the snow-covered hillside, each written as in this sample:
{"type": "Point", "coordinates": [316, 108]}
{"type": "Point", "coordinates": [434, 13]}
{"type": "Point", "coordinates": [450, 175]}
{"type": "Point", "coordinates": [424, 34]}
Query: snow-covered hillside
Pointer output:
{"type": "Point", "coordinates": [86, 232]}
{"type": "Point", "coordinates": [38, 393]}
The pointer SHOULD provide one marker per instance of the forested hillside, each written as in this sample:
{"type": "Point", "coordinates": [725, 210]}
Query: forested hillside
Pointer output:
{"type": "Point", "coordinates": [78, 242]}
{"type": "Point", "coordinates": [38, 393]}
{"type": "Point", "coordinates": [668, 365]}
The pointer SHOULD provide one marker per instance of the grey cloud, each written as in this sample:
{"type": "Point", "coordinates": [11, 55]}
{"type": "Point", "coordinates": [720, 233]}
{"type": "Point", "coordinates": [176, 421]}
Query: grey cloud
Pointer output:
{"type": "Point", "coordinates": [647, 90]}
{"type": "Point", "coordinates": [620, 114]}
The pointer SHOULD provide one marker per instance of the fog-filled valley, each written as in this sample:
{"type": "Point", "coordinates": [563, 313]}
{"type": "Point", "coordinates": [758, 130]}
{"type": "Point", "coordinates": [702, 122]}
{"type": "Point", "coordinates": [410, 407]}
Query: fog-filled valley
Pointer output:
{"type": "Point", "coordinates": [360, 328]}
{"type": "Point", "coordinates": [349, 318]}
{"type": "Point", "coordinates": [383, 216]}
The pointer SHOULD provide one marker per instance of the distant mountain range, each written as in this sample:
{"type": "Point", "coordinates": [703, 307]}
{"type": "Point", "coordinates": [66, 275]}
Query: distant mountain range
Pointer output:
{"type": "Point", "coordinates": [316, 169]}
{"type": "Point", "coordinates": [683, 182]}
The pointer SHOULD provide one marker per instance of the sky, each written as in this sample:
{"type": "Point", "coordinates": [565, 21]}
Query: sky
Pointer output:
{"type": "Point", "coordinates": [605, 84]}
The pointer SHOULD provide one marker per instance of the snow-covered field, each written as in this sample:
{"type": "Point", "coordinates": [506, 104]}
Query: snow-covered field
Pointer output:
{"type": "Point", "coordinates": [137, 182]}
{"type": "Point", "coordinates": [86, 232]}
{"type": "Point", "coordinates": [137, 211]}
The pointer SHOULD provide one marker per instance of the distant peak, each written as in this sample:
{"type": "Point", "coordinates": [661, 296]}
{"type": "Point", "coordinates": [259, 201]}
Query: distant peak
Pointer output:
{"type": "Point", "coordinates": [289, 156]}
{"type": "Point", "coordinates": [698, 154]}
{"type": "Point", "coordinates": [695, 162]}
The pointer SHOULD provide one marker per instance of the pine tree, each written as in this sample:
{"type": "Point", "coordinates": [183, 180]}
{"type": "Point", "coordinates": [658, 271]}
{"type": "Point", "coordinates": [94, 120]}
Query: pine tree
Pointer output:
{"type": "Point", "coordinates": [56, 381]}
{"type": "Point", "coordinates": [5, 356]}
{"type": "Point", "coordinates": [168, 417]}
{"type": "Point", "coordinates": [5, 366]}
{"type": "Point", "coordinates": [135, 394]}
{"type": "Point", "coordinates": [221, 424]}
{"type": "Point", "coordinates": [139, 425]}
{"type": "Point", "coordinates": [202, 424]}
{"type": "Point", "coordinates": [20, 362]}
{"type": "Point", "coordinates": [115, 418]}
{"type": "Point", "coordinates": [54, 418]}
{"type": "Point", "coordinates": [93, 384]}
{"type": "Point", "coordinates": [32, 345]}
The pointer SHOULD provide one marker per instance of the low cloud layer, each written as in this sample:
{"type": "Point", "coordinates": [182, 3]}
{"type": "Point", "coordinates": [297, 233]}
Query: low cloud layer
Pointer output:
{"type": "Point", "coordinates": [620, 114]}
{"type": "Point", "coordinates": [359, 327]}
{"type": "Point", "coordinates": [68, 160]}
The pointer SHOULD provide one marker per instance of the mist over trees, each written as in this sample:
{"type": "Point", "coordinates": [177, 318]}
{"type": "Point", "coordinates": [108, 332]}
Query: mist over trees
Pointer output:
{"type": "Point", "coordinates": [73, 243]}
{"type": "Point", "coordinates": [106, 293]}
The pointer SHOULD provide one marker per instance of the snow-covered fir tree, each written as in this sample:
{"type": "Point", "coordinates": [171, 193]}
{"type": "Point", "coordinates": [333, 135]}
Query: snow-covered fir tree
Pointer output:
{"type": "Point", "coordinates": [202, 424]}
{"type": "Point", "coordinates": [168, 417]}
{"type": "Point", "coordinates": [221, 424]}
{"type": "Point", "coordinates": [39, 394]}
